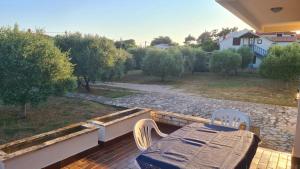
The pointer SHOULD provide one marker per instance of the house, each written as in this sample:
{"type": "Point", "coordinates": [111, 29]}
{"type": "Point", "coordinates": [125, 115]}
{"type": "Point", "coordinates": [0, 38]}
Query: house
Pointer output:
{"type": "Point", "coordinates": [162, 46]}
{"type": "Point", "coordinates": [258, 42]}
{"type": "Point", "coordinates": [270, 16]}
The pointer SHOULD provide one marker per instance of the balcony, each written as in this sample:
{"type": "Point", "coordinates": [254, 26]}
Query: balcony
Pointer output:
{"type": "Point", "coordinates": [121, 152]}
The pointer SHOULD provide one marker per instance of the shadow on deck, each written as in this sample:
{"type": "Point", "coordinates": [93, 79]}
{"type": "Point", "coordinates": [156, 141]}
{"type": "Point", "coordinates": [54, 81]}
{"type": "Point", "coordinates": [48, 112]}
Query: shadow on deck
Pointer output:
{"type": "Point", "coordinates": [120, 153]}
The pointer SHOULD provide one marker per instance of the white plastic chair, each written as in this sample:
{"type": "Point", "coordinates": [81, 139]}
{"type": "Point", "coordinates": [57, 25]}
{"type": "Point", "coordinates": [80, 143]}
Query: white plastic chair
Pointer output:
{"type": "Point", "coordinates": [142, 133]}
{"type": "Point", "coordinates": [231, 118]}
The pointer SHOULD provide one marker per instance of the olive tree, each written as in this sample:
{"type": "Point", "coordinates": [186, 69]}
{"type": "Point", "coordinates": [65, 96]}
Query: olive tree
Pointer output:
{"type": "Point", "coordinates": [138, 54]}
{"type": "Point", "coordinates": [195, 59]}
{"type": "Point", "coordinates": [95, 57]}
{"type": "Point", "coordinates": [163, 63]}
{"type": "Point", "coordinates": [247, 56]}
{"type": "Point", "coordinates": [282, 63]}
{"type": "Point", "coordinates": [201, 61]}
{"type": "Point", "coordinates": [189, 56]}
{"type": "Point", "coordinates": [226, 61]}
{"type": "Point", "coordinates": [121, 66]}
{"type": "Point", "coordinates": [31, 68]}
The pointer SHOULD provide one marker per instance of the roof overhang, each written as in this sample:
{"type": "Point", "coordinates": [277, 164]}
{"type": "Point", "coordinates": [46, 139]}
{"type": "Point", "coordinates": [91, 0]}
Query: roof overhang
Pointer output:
{"type": "Point", "coordinates": [258, 14]}
{"type": "Point", "coordinates": [249, 35]}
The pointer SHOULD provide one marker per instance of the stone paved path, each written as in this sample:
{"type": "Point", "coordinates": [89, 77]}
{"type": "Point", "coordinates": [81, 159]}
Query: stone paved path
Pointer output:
{"type": "Point", "coordinates": [277, 123]}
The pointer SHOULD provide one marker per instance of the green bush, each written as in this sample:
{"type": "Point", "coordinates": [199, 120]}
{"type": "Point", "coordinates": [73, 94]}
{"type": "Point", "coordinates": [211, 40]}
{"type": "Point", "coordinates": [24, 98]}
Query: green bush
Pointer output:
{"type": "Point", "coordinates": [282, 63]}
{"type": "Point", "coordinates": [195, 59]}
{"type": "Point", "coordinates": [247, 56]}
{"type": "Point", "coordinates": [31, 68]}
{"type": "Point", "coordinates": [226, 61]}
{"type": "Point", "coordinates": [163, 63]}
{"type": "Point", "coordinates": [201, 61]}
{"type": "Point", "coordinates": [209, 45]}
{"type": "Point", "coordinates": [189, 57]}
{"type": "Point", "coordinates": [138, 54]}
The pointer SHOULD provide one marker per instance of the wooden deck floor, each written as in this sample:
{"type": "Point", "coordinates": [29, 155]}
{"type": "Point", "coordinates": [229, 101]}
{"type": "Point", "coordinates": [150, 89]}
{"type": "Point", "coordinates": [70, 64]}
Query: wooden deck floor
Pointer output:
{"type": "Point", "coordinates": [269, 159]}
{"type": "Point", "coordinates": [121, 153]}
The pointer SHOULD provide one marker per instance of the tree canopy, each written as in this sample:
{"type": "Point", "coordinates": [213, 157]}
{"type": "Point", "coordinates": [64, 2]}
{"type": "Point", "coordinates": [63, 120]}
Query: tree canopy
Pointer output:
{"type": "Point", "coordinates": [247, 56]}
{"type": "Point", "coordinates": [227, 61]}
{"type": "Point", "coordinates": [189, 39]}
{"type": "Point", "coordinates": [125, 44]}
{"type": "Point", "coordinates": [95, 57]}
{"type": "Point", "coordinates": [161, 40]}
{"type": "Point", "coordinates": [138, 54]}
{"type": "Point", "coordinates": [163, 63]}
{"type": "Point", "coordinates": [195, 59]}
{"type": "Point", "coordinates": [208, 41]}
{"type": "Point", "coordinates": [282, 63]}
{"type": "Point", "coordinates": [31, 68]}
{"type": "Point", "coordinates": [226, 31]}
{"type": "Point", "coordinates": [204, 37]}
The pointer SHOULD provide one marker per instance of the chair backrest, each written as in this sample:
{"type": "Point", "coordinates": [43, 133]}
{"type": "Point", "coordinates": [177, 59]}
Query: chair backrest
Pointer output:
{"type": "Point", "coordinates": [142, 133]}
{"type": "Point", "coordinates": [231, 118]}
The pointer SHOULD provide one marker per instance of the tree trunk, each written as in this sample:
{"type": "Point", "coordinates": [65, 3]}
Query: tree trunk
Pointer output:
{"type": "Point", "coordinates": [79, 83]}
{"type": "Point", "coordinates": [24, 111]}
{"type": "Point", "coordinates": [87, 84]}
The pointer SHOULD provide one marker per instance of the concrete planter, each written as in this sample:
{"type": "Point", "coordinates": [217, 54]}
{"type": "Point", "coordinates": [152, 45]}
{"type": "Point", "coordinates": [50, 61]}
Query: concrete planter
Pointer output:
{"type": "Point", "coordinates": [117, 124]}
{"type": "Point", "coordinates": [45, 149]}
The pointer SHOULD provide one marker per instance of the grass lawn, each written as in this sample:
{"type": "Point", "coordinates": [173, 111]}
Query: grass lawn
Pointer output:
{"type": "Point", "coordinates": [245, 87]}
{"type": "Point", "coordinates": [55, 113]}
{"type": "Point", "coordinates": [109, 92]}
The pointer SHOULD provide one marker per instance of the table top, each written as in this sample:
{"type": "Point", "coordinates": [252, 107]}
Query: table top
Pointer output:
{"type": "Point", "coordinates": [202, 146]}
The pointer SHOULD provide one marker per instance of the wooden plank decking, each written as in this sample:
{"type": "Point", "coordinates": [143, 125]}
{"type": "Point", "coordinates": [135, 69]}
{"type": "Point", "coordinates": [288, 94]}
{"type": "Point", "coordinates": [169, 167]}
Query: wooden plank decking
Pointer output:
{"type": "Point", "coordinates": [121, 153]}
{"type": "Point", "coordinates": [269, 159]}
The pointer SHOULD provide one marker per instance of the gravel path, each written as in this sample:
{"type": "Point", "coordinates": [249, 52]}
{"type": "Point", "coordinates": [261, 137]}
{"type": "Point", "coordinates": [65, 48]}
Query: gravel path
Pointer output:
{"type": "Point", "coordinates": [277, 123]}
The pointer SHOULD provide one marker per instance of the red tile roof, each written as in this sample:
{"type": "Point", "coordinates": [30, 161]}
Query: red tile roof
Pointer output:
{"type": "Point", "coordinates": [275, 33]}
{"type": "Point", "coordinates": [283, 39]}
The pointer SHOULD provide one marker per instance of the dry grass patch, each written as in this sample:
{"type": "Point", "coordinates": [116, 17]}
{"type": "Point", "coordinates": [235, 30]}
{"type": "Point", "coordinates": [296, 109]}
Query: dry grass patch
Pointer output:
{"type": "Point", "coordinates": [245, 87]}
{"type": "Point", "coordinates": [55, 113]}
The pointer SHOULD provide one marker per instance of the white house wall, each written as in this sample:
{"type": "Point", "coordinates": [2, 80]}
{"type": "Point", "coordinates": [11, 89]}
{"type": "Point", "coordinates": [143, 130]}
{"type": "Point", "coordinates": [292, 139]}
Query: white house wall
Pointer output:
{"type": "Point", "coordinates": [228, 43]}
{"type": "Point", "coordinates": [266, 43]}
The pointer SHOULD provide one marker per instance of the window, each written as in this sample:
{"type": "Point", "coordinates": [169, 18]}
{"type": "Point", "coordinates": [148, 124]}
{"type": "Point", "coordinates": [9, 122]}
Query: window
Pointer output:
{"type": "Point", "coordinates": [279, 34]}
{"type": "Point", "coordinates": [236, 42]}
{"type": "Point", "coordinates": [259, 41]}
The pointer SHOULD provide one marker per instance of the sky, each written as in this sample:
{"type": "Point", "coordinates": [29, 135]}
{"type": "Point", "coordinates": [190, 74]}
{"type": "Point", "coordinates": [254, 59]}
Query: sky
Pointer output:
{"type": "Point", "coordinates": [141, 20]}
